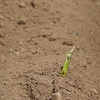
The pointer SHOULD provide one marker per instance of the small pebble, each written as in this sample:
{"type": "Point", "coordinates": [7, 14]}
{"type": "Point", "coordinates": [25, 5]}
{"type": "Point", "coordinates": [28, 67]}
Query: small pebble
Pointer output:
{"type": "Point", "coordinates": [95, 91]}
{"type": "Point", "coordinates": [17, 53]}
{"type": "Point", "coordinates": [56, 96]}
{"type": "Point", "coordinates": [22, 4]}
{"type": "Point", "coordinates": [20, 42]}
{"type": "Point", "coordinates": [6, 82]}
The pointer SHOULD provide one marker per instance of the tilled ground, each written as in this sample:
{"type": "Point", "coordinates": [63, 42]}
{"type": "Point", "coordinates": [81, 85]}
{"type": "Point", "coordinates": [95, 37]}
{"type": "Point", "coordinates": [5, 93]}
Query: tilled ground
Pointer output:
{"type": "Point", "coordinates": [35, 35]}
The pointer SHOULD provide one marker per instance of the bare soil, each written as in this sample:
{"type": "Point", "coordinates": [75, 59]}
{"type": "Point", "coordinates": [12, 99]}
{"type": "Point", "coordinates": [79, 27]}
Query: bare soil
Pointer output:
{"type": "Point", "coordinates": [35, 35]}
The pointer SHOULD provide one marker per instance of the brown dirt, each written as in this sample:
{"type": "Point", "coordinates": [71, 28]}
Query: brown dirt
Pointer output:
{"type": "Point", "coordinates": [35, 35]}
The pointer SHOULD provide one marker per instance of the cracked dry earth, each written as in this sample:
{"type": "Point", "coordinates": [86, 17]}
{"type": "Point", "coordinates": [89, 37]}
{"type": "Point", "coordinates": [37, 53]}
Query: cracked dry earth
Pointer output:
{"type": "Point", "coordinates": [35, 35]}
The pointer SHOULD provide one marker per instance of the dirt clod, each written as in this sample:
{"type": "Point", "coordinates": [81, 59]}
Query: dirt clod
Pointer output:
{"type": "Point", "coordinates": [56, 96]}
{"type": "Point", "coordinates": [22, 4]}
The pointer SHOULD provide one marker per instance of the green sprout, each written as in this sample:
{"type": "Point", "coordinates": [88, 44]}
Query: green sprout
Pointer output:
{"type": "Point", "coordinates": [66, 64]}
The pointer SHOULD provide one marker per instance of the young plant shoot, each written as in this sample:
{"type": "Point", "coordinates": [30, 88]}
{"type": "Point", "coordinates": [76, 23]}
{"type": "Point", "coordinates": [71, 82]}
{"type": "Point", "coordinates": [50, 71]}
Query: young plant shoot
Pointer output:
{"type": "Point", "coordinates": [66, 64]}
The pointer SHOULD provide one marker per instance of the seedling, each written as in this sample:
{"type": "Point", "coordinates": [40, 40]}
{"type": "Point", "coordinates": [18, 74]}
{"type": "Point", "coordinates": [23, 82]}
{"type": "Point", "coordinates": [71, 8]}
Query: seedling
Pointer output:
{"type": "Point", "coordinates": [66, 64]}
